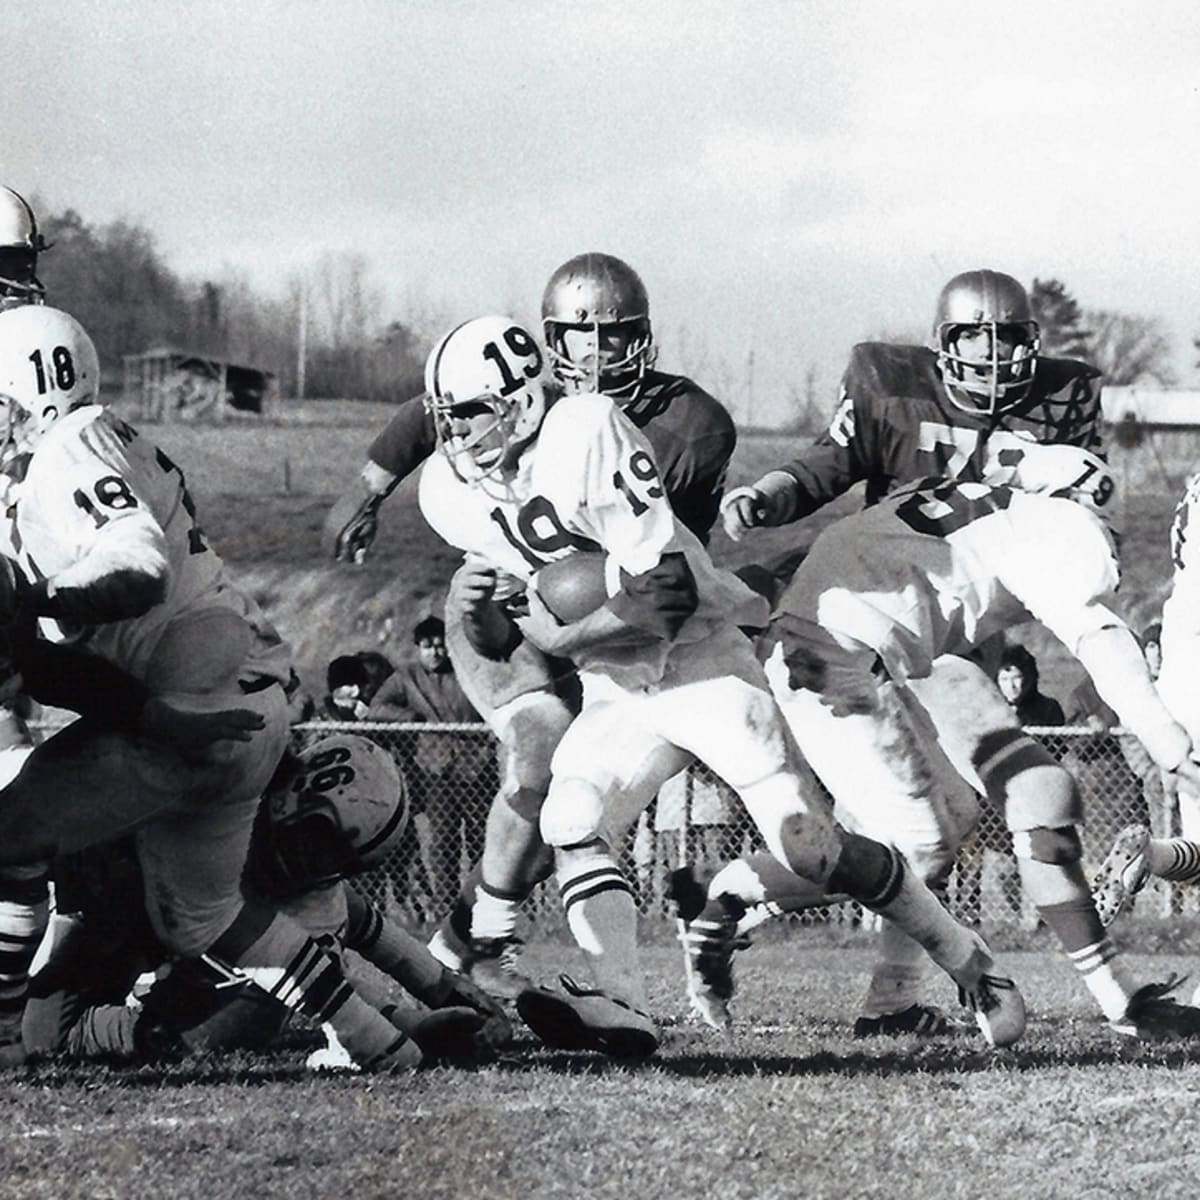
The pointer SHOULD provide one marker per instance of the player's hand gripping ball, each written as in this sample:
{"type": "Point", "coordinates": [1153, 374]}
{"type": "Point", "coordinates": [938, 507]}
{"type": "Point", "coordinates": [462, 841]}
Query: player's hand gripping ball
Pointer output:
{"type": "Point", "coordinates": [573, 587]}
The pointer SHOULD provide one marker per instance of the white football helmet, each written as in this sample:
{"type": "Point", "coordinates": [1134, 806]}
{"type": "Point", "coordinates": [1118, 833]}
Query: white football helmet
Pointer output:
{"type": "Point", "coordinates": [48, 368]}
{"type": "Point", "coordinates": [20, 244]}
{"type": "Point", "coordinates": [491, 365]}
{"type": "Point", "coordinates": [1065, 472]}
{"type": "Point", "coordinates": [342, 812]}
{"type": "Point", "coordinates": [1000, 376]}
{"type": "Point", "coordinates": [601, 296]}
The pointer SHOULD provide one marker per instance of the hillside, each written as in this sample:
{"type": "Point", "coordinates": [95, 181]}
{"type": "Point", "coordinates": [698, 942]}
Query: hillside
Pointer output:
{"type": "Point", "coordinates": [263, 492]}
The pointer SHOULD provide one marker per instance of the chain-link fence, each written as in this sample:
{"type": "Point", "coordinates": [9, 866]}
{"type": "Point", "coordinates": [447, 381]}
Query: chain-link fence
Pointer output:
{"type": "Point", "coordinates": [451, 775]}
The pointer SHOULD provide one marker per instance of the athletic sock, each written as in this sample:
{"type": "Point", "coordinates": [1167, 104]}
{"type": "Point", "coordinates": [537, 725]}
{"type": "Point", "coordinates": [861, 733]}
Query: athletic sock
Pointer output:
{"type": "Point", "coordinates": [281, 958]}
{"type": "Point", "coordinates": [602, 917]}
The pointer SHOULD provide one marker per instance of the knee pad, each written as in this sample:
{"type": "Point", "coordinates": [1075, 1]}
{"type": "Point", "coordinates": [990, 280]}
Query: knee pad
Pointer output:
{"type": "Point", "coordinates": [1026, 782]}
{"type": "Point", "coordinates": [529, 730]}
{"type": "Point", "coordinates": [1056, 846]}
{"type": "Point", "coordinates": [573, 813]}
{"type": "Point", "coordinates": [810, 848]}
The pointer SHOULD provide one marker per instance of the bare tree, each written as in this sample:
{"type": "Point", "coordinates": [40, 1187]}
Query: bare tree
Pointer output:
{"type": "Point", "coordinates": [1130, 349]}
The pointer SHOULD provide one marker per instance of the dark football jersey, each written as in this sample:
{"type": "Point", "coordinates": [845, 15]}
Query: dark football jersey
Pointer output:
{"type": "Point", "coordinates": [690, 432]}
{"type": "Point", "coordinates": [895, 424]}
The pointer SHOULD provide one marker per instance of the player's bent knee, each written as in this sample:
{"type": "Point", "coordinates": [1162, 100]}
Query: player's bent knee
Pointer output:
{"type": "Point", "coordinates": [1026, 782]}
{"type": "Point", "coordinates": [1056, 846]}
{"type": "Point", "coordinates": [573, 813]}
{"type": "Point", "coordinates": [529, 730]}
{"type": "Point", "coordinates": [806, 846]}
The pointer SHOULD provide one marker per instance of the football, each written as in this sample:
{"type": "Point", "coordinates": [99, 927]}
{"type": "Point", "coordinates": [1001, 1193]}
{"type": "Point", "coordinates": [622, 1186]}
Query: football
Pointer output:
{"type": "Point", "coordinates": [573, 587]}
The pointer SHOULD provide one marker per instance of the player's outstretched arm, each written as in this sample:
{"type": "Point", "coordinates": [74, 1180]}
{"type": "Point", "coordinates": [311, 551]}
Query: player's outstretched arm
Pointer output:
{"type": "Point", "coordinates": [353, 521]}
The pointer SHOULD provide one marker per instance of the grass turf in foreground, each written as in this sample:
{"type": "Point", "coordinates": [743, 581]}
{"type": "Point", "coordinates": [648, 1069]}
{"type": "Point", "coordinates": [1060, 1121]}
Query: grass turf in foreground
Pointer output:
{"type": "Point", "coordinates": [790, 1105]}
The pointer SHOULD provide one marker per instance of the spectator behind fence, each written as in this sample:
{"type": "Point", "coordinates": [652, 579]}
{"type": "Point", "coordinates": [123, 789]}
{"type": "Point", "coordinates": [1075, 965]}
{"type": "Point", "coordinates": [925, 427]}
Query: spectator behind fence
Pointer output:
{"type": "Point", "coordinates": [451, 775]}
{"type": "Point", "coordinates": [1017, 679]}
{"type": "Point", "coordinates": [351, 682]}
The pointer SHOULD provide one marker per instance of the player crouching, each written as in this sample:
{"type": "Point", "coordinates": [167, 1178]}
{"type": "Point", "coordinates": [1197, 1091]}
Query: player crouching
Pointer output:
{"type": "Point", "coordinates": [331, 813]}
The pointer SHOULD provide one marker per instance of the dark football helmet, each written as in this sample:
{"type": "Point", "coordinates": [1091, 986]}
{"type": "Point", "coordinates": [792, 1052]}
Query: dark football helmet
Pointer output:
{"type": "Point", "coordinates": [20, 244]}
{"type": "Point", "coordinates": [596, 319]}
{"type": "Point", "coordinates": [986, 341]}
{"type": "Point", "coordinates": [343, 810]}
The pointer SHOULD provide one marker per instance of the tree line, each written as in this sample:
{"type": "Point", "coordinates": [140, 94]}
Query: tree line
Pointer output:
{"type": "Point", "coordinates": [115, 280]}
{"type": "Point", "coordinates": [324, 337]}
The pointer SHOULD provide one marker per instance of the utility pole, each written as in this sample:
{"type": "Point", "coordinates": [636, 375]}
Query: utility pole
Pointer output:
{"type": "Point", "coordinates": [302, 342]}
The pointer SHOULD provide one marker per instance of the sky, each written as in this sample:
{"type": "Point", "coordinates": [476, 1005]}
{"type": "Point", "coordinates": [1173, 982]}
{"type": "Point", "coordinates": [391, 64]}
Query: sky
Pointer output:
{"type": "Point", "coordinates": [787, 178]}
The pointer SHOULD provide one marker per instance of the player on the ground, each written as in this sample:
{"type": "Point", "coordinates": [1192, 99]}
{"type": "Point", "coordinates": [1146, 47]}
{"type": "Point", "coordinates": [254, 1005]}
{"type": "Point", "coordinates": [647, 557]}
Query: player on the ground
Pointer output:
{"type": "Point", "coordinates": [596, 321]}
{"type": "Point", "coordinates": [20, 245]}
{"type": "Point", "coordinates": [1136, 854]}
{"type": "Point", "coordinates": [909, 412]}
{"type": "Point", "coordinates": [113, 561]}
{"type": "Point", "coordinates": [668, 678]}
{"type": "Point", "coordinates": [889, 599]}
{"type": "Point", "coordinates": [331, 812]}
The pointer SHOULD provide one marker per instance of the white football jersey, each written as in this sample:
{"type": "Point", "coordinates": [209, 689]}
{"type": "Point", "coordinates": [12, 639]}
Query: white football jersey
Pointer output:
{"type": "Point", "coordinates": [938, 569]}
{"type": "Point", "coordinates": [588, 482]}
{"type": "Point", "coordinates": [99, 497]}
{"type": "Point", "coordinates": [1177, 681]}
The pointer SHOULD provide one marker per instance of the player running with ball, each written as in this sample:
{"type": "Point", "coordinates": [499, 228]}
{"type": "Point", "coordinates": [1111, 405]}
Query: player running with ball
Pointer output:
{"type": "Point", "coordinates": [668, 678]}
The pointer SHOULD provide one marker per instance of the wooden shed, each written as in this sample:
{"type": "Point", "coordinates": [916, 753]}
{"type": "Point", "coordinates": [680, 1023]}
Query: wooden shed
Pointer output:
{"type": "Point", "coordinates": [175, 385]}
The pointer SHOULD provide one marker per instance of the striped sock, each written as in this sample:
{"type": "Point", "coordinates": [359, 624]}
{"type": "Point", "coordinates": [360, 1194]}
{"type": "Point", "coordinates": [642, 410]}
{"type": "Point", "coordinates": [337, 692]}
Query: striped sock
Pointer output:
{"type": "Point", "coordinates": [24, 914]}
{"type": "Point", "coordinates": [281, 958]}
{"type": "Point", "coordinates": [1091, 952]}
{"type": "Point", "coordinates": [602, 917]}
{"type": "Point", "coordinates": [1176, 859]}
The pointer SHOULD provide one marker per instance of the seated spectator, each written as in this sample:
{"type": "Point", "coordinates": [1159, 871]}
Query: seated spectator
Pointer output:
{"type": "Point", "coordinates": [351, 682]}
{"type": "Point", "coordinates": [1017, 679]}
{"type": "Point", "coordinates": [452, 775]}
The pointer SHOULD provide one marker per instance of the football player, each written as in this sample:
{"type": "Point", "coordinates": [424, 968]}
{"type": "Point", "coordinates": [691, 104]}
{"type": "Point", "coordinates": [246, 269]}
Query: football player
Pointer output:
{"type": "Point", "coordinates": [596, 320]}
{"type": "Point", "coordinates": [331, 812]}
{"type": "Point", "coordinates": [941, 411]}
{"type": "Point", "coordinates": [668, 678]}
{"type": "Point", "coordinates": [20, 245]}
{"type": "Point", "coordinates": [895, 597]}
{"type": "Point", "coordinates": [113, 561]}
{"type": "Point", "coordinates": [1136, 855]}
{"type": "Point", "coordinates": [905, 413]}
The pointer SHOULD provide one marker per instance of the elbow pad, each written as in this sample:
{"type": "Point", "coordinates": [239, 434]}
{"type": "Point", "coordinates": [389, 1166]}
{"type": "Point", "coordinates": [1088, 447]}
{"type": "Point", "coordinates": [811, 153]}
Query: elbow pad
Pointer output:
{"type": "Point", "coordinates": [660, 600]}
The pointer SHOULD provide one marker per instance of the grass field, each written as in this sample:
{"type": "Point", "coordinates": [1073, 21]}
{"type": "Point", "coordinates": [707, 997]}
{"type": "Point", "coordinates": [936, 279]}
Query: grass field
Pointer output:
{"type": "Point", "coordinates": [789, 1106]}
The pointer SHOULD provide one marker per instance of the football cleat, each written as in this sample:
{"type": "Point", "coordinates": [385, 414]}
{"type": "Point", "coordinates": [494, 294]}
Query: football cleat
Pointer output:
{"type": "Point", "coordinates": [450, 1035]}
{"type": "Point", "coordinates": [1122, 874]}
{"type": "Point", "coordinates": [997, 1002]}
{"type": "Point", "coordinates": [1153, 1016]}
{"type": "Point", "coordinates": [583, 1019]}
{"type": "Point", "coordinates": [921, 1020]}
{"type": "Point", "coordinates": [494, 967]}
{"type": "Point", "coordinates": [709, 942]}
